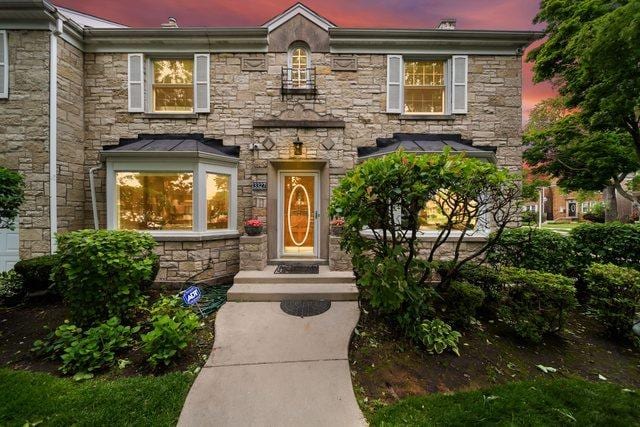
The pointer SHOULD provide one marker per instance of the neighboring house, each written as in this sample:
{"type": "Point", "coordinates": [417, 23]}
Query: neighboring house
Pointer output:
{"type": "Point", "coordinates": [187, 132]}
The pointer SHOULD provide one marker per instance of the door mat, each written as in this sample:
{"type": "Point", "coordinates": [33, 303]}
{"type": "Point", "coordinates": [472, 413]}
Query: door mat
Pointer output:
{"type": "Point", "coordinates": [305, 308]}
{"type": "Point", "coordinates": [297, 269]}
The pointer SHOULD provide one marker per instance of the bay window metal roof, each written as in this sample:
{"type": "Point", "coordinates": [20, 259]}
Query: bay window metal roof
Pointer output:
{"type": "Point", "coordinates": [425, 143]}
{"type": "Point", "coordinates": [172, 145]}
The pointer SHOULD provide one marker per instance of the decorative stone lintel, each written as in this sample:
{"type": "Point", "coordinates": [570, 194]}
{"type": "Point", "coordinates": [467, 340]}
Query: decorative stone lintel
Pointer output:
{"type": "Point", "coordinates": [277, 123]}
{"type": "Point", "coordinates": [253, 252]}
{"type": "Point", "coordinates": [344, 63]}
{"type": "Point", "coordinates": [254, 64]}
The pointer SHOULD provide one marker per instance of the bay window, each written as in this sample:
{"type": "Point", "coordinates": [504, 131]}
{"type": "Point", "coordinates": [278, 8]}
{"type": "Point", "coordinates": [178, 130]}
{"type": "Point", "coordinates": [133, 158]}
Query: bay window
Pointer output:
{"type": "Point", "coordinates": [441, 209]}
{"type": "Point", "coordinates": [176, 197]}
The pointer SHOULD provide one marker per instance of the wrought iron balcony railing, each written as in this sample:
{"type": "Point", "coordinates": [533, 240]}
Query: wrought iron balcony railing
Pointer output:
{"type": "Point", "coordinates": [298, 81]}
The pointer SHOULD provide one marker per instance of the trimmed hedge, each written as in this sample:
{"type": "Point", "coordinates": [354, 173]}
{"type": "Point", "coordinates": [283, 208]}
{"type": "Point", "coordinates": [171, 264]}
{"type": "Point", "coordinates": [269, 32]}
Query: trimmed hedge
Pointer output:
{"type": "Point", "coordinates": [534, 303]}
{"type": "Point", "coordinates": [614, 297]}
{"type": "Point", "coordinates": [534, 249]}
{"type": "Point", "coordinates": [102, 272]}
{"type": "Point", "coordinates": [461, 301]}
{"type": "Point", "coordinates": [36, 272]}
{"type": "Point", "coordinates": [613, 242]}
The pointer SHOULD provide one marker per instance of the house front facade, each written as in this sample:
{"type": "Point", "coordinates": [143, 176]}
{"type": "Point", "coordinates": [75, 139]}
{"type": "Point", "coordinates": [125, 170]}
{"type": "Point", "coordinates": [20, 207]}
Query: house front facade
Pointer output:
{"type": "Point", "coordinates": [188, 132]}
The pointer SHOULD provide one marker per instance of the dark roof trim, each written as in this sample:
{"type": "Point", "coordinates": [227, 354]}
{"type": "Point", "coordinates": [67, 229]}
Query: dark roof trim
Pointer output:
{"type": "Point", "coordinates": [190, 145]}
{"type": "Point", "coordinates": [426, 144]}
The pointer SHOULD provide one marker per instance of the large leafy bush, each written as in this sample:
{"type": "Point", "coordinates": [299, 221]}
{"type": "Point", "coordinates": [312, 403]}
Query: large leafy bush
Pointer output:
{"type": "Point", "coordinates": [11, 196]}
{"type": "Point", "coordinates": [534, 303]}
{"type": "Point", "coordinates": [459, 303]}
{"type": "Point", "coordinates": [37, 272]}
{"type": "Point", "coordinates": [614, 297]}
{"type": "Point", "coordinates": [101, 272]}
{"type": "Point", "coordinates": [534, 249]}
{"type": "Point", "coordinates": [172, 330]}
{"type": "Point", "coordinates": [614, 243]}
{"type": "Point", "coordinates": [86, 351]}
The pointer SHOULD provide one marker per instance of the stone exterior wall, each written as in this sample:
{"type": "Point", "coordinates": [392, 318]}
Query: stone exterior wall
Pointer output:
{"type": "Point", "coordinates": [72, 177]}
{"type": "Point", "coordinates": [253, 250]}
{"type": "Point", "coordinates": [24, 134]}
{"type": "Point", "coordinates": [339, 260]}
{"type": "Point", "coordinates": [213, 260]}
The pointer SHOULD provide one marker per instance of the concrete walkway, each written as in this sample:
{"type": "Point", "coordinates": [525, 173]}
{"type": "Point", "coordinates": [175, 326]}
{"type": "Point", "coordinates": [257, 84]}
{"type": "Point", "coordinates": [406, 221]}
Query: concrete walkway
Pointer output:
{"type": "Point", "coordinates": [268, 368]}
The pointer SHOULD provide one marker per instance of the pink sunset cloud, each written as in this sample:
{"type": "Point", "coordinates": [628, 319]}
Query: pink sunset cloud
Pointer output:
{"type": "Point", "coordinates": [476, 14]}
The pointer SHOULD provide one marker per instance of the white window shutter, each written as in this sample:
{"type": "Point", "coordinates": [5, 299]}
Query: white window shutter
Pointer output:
{"type": "Point", "coordinates": [459, 81]}
{"type": "Point", "coordinates": [201, 92]}
{"type": "Point", "coordinates": [394, 83]}
{"type": "Point", "coordinates": [136, 83]}
{"type": "Point", "coordinates": [4, 65]}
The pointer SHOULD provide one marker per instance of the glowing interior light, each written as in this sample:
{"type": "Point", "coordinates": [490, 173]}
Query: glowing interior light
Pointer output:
{"type": "Point", "coordinates": [306, 195]}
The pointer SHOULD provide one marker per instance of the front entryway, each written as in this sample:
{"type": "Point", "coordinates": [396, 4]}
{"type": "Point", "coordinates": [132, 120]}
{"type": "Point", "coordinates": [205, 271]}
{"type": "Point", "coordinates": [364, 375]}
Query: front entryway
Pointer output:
{"type": "Point", "coordinates": [298, 214]}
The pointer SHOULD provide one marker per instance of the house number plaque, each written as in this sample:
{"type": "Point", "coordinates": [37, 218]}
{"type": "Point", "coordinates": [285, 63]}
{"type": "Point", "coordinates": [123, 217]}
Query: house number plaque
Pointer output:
{"type": "Point", "coordinates": [259, 185]}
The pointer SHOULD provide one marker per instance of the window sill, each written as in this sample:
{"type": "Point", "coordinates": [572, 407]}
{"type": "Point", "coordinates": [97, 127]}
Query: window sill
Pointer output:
{"type": "Point", "coordinates": [191, 236]}
{"type": "Point", "coordinates": [165, 116]}
{"type": "Point", "coordinates": [426, 117]}
{"type": "Point", "coordinates": [299, 91]}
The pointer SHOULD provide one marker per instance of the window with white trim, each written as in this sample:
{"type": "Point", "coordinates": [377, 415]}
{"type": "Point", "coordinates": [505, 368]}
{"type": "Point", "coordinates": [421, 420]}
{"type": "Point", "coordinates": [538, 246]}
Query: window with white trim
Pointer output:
{"type": "Point", "coordinates": [299, 59]}
{"type": "Point", "coordinates": [169, 84]}
{"type": "Point", "coordinates": [180, 197]}
{"type": "Point", "coordinates": [427, 85]}
{"type": "Point", "coordinates": [4, 64]}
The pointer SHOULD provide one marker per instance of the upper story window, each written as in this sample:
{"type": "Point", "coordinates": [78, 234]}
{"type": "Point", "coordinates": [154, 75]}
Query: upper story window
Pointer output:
{"type": "Point", "coordinates": [164, 85]}
{"type": "Point", "coordinates": [424, 87]}
{"type": "Point", "coordinates": [172, 86]}
{"type": "Point", "coordinates": [299, 64]}
{"type": "Point", "coordinates": [427, 86]}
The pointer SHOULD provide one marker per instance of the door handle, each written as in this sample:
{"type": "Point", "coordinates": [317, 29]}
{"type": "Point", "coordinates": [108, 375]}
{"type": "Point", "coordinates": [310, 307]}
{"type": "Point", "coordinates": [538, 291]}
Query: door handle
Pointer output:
{"type": "Point", "coordinates": [316, 215]}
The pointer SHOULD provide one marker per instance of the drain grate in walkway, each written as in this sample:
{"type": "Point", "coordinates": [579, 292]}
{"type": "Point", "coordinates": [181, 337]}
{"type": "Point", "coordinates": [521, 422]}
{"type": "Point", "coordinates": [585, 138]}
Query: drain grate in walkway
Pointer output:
{"type": "Point", "coordinates": [305, 308]}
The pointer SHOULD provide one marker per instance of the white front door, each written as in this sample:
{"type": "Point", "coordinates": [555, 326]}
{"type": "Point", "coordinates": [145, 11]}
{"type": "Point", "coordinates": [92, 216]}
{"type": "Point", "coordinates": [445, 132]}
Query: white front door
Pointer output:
{"type": "Point", "coordinates": [298, 215]}
{"type": "Point", "coordinates": [8, 248]}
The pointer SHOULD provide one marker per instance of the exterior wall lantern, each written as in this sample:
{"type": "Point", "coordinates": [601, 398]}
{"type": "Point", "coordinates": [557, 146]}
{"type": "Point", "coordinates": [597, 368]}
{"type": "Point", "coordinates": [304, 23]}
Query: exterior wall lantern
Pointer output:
{"type": "Point", "coordinates": [297, 147]}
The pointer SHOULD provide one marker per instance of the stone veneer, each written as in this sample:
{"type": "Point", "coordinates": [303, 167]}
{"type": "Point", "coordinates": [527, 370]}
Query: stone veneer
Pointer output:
{"type": "Point", "coordinates": [339, 260]}
{"type": "Point", "coordinates": [24, 134]}
{"type": "Point", "coordinates": [213, 260]}
{"type": "Point", "coordinates": [253, 250]}
{"type": "Point", "coordinates": [237, 98]}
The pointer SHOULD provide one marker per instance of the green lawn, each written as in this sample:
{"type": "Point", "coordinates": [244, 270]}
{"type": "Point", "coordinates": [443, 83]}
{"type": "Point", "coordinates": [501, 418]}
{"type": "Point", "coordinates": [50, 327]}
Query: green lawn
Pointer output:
{"type": "Point", "coordinates": [530, 403]}
{"type": "Point", "coordinates": [561, 228]}
{"type": "Point", "coordinates": [29, 397]}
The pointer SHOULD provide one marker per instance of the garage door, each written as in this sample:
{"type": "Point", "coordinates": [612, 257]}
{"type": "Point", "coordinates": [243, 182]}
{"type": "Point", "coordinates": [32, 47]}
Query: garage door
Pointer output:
{"type": "Point", "coordinates": [8, 248]}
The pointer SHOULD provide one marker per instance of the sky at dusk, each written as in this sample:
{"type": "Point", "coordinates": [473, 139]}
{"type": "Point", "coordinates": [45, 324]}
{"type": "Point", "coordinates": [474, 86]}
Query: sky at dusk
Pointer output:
{"type": "Point", "coordinates": [470, 14]}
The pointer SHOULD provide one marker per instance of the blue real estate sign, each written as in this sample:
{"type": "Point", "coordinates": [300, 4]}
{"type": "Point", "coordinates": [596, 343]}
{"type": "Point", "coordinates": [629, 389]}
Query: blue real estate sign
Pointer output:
{"type": "Point", "coordinates": [192, 295]}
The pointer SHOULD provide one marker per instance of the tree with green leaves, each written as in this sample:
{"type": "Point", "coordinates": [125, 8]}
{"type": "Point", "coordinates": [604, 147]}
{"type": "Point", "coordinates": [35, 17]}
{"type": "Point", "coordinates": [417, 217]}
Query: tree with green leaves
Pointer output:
{"type": "Point", "coordinates": [11, 196]}
{"type": "Point", "coordinates": [592, 55]}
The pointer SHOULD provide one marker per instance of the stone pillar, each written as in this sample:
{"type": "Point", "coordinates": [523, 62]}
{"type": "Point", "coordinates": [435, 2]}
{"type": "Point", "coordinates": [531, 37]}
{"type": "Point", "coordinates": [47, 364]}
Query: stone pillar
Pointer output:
{"type": "Point", "coordinates": [339, 260]}
{"type": "Point", "coordinates": [253, 252]}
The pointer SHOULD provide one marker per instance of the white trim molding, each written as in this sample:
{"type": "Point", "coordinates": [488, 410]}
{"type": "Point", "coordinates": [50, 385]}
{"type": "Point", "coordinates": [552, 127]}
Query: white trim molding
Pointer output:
{"type": "Point", "coordinates": [199, 167]}
{"type": "Point", "coordinates": [298, 9]}
{"type": "Point", "coordinates": [4, 63]}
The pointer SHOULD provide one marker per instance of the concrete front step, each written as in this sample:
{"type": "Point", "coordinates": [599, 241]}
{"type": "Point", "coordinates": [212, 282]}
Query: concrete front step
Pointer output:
{"type": "Point", "coordinates": [267, 276]}
{"type": "Point", "coordinates": [272, 292]}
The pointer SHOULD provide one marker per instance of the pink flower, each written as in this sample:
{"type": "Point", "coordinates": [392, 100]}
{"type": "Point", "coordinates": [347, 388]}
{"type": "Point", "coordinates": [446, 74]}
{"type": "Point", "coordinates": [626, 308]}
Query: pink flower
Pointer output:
{"type": "Point", "coordinates": [338, 222]}
{"type": "Point", "coordinates": [253, 223]}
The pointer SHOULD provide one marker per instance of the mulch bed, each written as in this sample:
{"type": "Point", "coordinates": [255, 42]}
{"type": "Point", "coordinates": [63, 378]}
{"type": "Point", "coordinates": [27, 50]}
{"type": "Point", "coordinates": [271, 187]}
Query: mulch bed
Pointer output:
{"type": "Point", "coordinates": [21, 326]}
{"type": "Point", "coordinates": [386, 366]}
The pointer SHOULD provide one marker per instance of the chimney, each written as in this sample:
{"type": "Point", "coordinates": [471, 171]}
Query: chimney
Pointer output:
{"type": "Point", "coordinates": [447, 24]}
{"type": "Point", "coordinates": [171, 24]}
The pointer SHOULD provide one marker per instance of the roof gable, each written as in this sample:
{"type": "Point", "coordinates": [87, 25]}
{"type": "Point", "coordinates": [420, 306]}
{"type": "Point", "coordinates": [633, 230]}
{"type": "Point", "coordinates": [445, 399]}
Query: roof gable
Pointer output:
{"type": "Point", "coordinates": [295, 10]}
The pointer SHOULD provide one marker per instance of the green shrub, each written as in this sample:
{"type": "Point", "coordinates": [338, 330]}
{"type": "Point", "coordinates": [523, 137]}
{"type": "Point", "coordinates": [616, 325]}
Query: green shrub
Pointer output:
{"type": "Point", "coordinates": [613, 242]}
{"type": "Point", "coordinates": [87, 351]}
{"type": "Point", "coordinates": [11, 288]}
{"type": "Point", "coordinates": [614, 297]}
{"type": "Point", "coordinates": [37, 272]}
{"type": "Point", "coordinates": [172, 330]}
{"type": "Point", "coordinates": [596, 214]}
{"type": "Point", "coordinates": [460, 302]}
{"type": "Point", "coordinates": [533, 249]}
{"type": "Point", "coordinates": [485, 277]}
{"type": "Point", "coordinates": [11, 196]}
{"type": "Point", "coordinates": [534, 303]}
{"type": "Point", "coordinates": [102, 272]}
{"type": "Point", "coordinates": [437, 336]}
{"type": "Point", "coordinates": [529, 217]}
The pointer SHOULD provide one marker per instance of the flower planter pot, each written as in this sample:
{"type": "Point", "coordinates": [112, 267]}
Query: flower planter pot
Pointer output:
{"type": "Point", "coordinates": [336, 230]}
{"type": "Point", "coordinates": [252, 231]}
